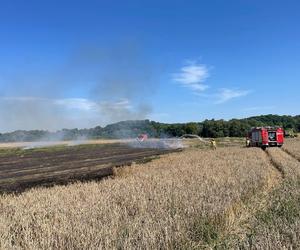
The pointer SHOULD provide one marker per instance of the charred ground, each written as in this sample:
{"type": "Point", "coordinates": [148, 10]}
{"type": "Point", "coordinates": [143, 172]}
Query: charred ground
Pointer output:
{"type": "Point", "coordinates": [21, 169]}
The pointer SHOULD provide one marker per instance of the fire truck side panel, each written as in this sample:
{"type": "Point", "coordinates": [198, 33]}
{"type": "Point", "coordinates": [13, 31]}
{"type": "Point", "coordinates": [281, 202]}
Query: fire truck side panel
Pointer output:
{"type": "Point", "coordinates": [280, 136]}
{"type": "Point", "coordinates": [265, 138]}
{"type": "Point", "coordinates": [256, 138]}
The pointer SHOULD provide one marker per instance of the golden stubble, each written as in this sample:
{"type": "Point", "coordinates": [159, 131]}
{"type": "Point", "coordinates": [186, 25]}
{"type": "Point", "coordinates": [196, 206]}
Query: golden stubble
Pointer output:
{"type": "Point", "coordinates": [145, 206]}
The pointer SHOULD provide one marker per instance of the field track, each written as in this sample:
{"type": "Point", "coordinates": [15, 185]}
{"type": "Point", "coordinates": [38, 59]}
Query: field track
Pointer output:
{"type": "Point", "coordinates": [285, 162]}
{"type": "Point", "coordinates": [274, 163]}
{"type": "Point", "coordinates": [291, 154]}
{"type": "Point", "coordinates": [30, 168]}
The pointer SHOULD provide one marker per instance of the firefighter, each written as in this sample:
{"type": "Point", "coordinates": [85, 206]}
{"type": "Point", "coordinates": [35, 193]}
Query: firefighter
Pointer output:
{"type": "Point", "coordinates": [247, 142]}
{"type": "Point", "coordinates": [213, 144]}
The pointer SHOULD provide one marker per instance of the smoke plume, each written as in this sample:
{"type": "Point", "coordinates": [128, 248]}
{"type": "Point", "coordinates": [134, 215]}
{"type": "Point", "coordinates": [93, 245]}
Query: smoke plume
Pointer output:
{"type": "Point", "coordinates": [94, 86]}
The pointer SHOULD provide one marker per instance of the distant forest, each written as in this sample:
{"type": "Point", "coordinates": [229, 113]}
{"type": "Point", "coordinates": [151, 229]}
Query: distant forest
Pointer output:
{"type": "Point", "coordinates": [131, 129]}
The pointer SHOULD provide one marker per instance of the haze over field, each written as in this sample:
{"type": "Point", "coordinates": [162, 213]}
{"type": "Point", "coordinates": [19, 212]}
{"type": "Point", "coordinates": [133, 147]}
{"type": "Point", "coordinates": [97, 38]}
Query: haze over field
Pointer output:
{"type": "Point", "coordinates": [80, 65]}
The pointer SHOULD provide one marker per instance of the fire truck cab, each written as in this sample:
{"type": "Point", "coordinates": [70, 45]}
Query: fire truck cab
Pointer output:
{"type": "Point", "coordinates": [265, 137]}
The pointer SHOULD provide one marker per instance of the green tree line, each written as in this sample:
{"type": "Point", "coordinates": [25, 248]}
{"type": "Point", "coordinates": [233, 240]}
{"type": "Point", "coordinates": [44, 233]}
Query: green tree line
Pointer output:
{"type": "Point", "coordinates": [131, 129]}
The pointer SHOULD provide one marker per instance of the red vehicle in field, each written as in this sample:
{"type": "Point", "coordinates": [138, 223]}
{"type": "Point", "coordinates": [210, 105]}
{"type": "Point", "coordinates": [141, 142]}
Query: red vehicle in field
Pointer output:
{"type": "Point", "coordinates": [265, 137]}
{"type": "Point", "coordinates": [142, 137]}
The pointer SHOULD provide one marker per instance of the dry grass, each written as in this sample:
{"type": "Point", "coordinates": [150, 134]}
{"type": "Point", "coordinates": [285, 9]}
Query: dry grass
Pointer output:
{"type": "Point", "coordinates": [191, 199]}
{"type": "Point", "coordinates": [278, 227]}
{"type": "Point", "coordinates": [287, 164]}
{"type": "Point", "coordinates": [292, 146]}
{"type": "Point", "coordinates": [229, 198]}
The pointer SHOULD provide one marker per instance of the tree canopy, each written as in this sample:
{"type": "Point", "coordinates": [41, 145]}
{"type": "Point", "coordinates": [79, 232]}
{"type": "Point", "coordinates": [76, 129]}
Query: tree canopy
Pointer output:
{"type": "Point", "coordinates": [131, 129]}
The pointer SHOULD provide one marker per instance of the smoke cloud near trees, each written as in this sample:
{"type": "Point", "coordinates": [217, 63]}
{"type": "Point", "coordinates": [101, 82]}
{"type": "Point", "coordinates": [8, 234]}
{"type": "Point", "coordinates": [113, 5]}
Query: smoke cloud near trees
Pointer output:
{"type": "Point", "coordinates": [95, 86]}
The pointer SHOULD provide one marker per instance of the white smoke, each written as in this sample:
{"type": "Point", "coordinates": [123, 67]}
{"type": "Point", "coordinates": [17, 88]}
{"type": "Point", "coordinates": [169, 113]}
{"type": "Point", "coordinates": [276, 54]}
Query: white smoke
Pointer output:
{"type": "Point", "coordinates": [168, 143]}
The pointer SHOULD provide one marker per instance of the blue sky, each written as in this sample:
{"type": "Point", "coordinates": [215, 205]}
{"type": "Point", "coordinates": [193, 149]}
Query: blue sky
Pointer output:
{"type": "Point", "coordinates": [84, 63]}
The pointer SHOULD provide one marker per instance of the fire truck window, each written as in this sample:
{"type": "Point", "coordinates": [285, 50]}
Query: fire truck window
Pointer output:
{"type": "Point", "coordinates": [272, 136]}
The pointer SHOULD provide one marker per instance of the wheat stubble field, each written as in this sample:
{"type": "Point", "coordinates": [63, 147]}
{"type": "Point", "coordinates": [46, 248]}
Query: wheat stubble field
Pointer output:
{"type": "Point", "coordinates": [292, 147]}
{"type": "Point", "coordinates": [233, 197]}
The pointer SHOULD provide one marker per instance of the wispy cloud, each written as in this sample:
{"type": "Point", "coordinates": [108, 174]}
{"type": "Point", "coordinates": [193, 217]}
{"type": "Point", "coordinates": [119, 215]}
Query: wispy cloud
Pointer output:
{"type": "Point", "coordinates": [226, 94]}
{"type": "Point", "coordinates": [77, 103]}
{"type": "Point", "coordinates": [69, 103]}
{"type": "Point", "coordinates": [81, 104]}
{"type": "Point", "coordinates": [122, 104]}
{"type": "Point", "coordinates": [192, 75]}
{"type": "Point", "coordinates": [22, 98]}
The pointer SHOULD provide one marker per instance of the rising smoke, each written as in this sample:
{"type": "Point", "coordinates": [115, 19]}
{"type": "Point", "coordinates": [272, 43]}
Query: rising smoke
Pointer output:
{"type": "Point", "coordinates": [95, 86]}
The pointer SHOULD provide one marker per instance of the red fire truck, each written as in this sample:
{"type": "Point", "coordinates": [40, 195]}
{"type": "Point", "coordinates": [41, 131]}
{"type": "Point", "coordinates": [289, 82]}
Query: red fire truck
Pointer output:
{"type": "Point", "coordinates": [265, 137]}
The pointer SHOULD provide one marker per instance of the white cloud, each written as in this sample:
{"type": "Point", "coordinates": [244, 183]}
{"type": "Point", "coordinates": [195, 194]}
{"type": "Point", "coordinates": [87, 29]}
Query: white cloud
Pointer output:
{"type": "Point", "coordinates": [70, 103]}
{"type": "Point", "coordinates": [22, 98]}
{"type": "Point", "coordinates": [115, 106]}
{"type": "Point", "coordinates": [193, 76]}
{"type": "Point", "coordinates": [226, 94]}
{"type": "Point", "coordinates": [77, 103]}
